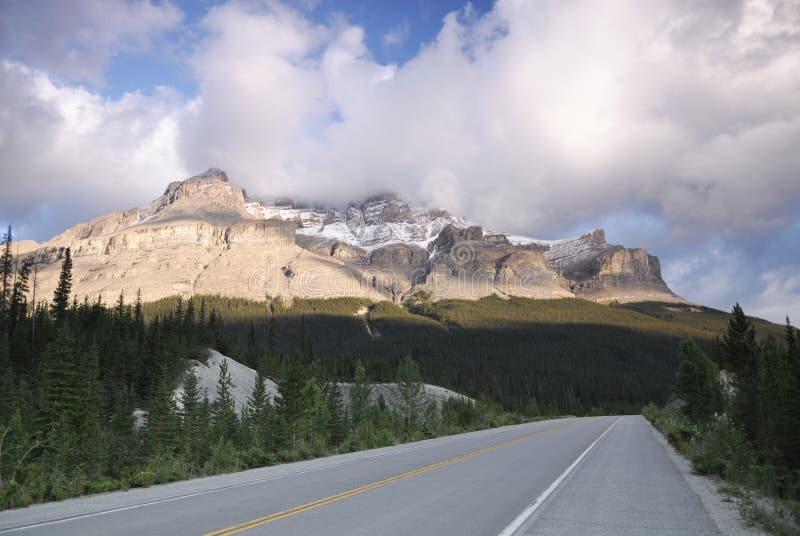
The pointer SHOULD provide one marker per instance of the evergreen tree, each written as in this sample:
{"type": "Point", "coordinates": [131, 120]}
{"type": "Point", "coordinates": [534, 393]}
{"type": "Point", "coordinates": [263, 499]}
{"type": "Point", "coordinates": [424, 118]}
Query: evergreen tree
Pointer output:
{"type": "Point", "coordinates": [412, 391]}
{"type": "Point", "coordinates": [6, 274]}
{"type": "Point", "coordinates": [261, 415]}
{"type": "Point", "coordinates": [336, 421]}
{"type": "Point", "coordinates": [224, 409]}
{"type": "Point", "coordinates": [359, 396]}
{"type": "Point", "coordinates": [18, 304]}
{"type": "Point", "coordinates": [61, 296]}
{"type": "Point", "coordinates": [740, 355]}
{"type": "Point", "coordinates": [121, 438]}
{"type": "Point", "coordinates": [161, 425]}
{"type": "Point", "coordinates": [60, 395]}
{"type": "Point", "coordinates": [192, 435]}
{"type": "Point", "coordinates": [698, 383]}
{"type": "Point", "coordinates": [89, 419]}
{"type": "Point", "coordinates": [315, 419]}
{"type": "Point", "coordinates": [291, 405]}
{"type": "Point", "coordinates": [775, 393]}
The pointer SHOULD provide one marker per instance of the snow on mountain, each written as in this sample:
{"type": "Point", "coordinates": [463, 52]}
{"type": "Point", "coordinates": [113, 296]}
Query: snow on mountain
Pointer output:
{"type": "Point", "coordinates": [378, 222]}
{"type": "Point", "coordinates": [566, 253]}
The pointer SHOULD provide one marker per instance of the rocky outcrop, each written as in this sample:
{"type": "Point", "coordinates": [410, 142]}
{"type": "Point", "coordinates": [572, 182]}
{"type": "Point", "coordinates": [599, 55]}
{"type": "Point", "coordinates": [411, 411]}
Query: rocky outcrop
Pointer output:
{"type": "Point", "coordinates": [468, 264]}
{"type": "Point", "coordinates": [603, 272]}
{"type": "Point", "coordinates": [204, 235]}
{"type": "Point", "coordinates": [243, 379]}
{"type": "Point", "coordinates": [399, 255]}
{"type": "Point", "coordinates": [623, 274]}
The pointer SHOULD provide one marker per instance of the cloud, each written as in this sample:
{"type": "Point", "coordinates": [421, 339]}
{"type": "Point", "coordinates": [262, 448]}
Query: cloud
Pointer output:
{"type": "Point", "coordinates": [75, 39]}
{"type": "Point", "coordinates": [690, 111]}
{"type": "Point", "coordinates": [68, 154]}
{"type": "Point", "coordinates": [533, 117]}
{"type": "Point", "coordinates": [780, 296]}
{"type": "Point", "coordinates": [397, 35]}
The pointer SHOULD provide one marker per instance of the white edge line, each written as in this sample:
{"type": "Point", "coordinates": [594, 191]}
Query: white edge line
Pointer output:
{"type": "Point", "coordinates": [66, 519]}
{"type": "Point", "coordinates": [518, 521]}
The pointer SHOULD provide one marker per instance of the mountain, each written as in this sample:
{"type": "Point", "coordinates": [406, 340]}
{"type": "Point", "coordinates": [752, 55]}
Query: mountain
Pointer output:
{"type": "Point", "coordinates": [204, 235]}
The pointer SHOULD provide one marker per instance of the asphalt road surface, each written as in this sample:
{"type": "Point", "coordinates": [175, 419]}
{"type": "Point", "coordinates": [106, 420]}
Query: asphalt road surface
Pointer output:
{"type": "Point", "coordinates": [601, 475]}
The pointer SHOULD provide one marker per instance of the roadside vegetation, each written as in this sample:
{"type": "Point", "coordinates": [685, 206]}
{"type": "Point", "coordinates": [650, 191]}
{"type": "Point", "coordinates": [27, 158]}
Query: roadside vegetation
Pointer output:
{"type": "Point", "coordinates": [742, 425]}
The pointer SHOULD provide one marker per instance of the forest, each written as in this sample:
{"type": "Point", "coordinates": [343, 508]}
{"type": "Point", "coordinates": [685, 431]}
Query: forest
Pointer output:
{"type": "Point", "coordinates": [74, 373]}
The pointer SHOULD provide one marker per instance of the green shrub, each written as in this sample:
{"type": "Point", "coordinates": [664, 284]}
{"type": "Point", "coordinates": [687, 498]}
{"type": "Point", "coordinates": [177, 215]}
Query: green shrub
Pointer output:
{"type": "Point", "coordinates": [224, 458]}
{"type": "Point", "coordinates": [721, 449]}
{"type": "Point", "coordinates": [257, 457]}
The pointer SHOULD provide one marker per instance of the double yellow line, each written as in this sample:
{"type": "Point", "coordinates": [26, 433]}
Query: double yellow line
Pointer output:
{"type": "Point", "coordinates": [259, 521]}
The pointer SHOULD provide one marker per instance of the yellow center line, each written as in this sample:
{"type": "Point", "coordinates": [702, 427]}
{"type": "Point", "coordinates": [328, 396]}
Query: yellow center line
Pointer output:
{"type": "Point", "coordinates": [257, 522]}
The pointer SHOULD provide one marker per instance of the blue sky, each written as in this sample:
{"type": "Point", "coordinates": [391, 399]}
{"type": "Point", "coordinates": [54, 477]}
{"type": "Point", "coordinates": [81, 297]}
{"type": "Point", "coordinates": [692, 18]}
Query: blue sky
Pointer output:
{"type": "Point", "coordinates": [675, 126]}
{"type": "Point", "coordinates": [395, 33]}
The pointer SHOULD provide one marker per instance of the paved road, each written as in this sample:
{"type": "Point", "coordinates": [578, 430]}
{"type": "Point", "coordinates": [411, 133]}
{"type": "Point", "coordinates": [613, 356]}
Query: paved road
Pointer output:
{"type": "Point", "coordinates": [594, 476]}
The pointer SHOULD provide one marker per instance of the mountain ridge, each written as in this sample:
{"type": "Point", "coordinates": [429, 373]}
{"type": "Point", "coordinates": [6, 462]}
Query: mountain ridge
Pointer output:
{"type": "Point", "coordinates": [206, 235]}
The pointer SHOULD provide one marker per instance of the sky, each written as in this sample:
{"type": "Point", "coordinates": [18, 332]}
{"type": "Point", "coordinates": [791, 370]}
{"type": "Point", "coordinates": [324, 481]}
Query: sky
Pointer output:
{"type": "Point", "coordinates": [673, 125]}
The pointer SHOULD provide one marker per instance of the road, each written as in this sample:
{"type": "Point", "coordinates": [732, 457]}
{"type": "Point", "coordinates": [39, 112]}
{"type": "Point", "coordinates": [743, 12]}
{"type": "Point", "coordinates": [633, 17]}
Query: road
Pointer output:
{"type": "Point", "coordinates": [601, 475]}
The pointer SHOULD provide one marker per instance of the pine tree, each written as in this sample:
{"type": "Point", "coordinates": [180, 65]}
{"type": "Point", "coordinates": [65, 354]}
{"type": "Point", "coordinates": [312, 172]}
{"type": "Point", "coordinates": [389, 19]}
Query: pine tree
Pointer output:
{"type": "Point", "coordinates": [261, 415]}
{"type": "Point", "coordinates": [698, 383]}
{"type": "Point", "coordinates": [89, 420]}
{"type": "Point", "coordinates": [740, 355]}
{"type": "Point", "coordinates": [6, 275]}
{"type": "Point", "coordinates": [122, 437]}
{"type": "Point", "coordinates": [161, 425]}
{"type": "Point", "coordinates": [291, 406]}
{"type": "Point", "coordinates": [224, 409]}
{"type": "Point", "coordinates": [412, 391]}
{"type": "Point", "coordinates": [775, 393]}
{"type": "Point", "coordinates": [359, 396]}
{"type": "Point", "coordinates": [61, 296]}
{"type": "Point", "coordinates": [60, 381]}
{"type": "Point", "coordinates": [60, 401]}
{"type": "Point", "coordinates": [315, 420]}
{"type": "Point", "coordinates": [18, 303]}
{"type": "Point", "coordinates": [337, 423]}
{"type": "Point", "coordinates": [191, 433]}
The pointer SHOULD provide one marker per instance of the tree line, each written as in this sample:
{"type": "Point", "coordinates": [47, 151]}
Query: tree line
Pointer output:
{"type": "Point", "coordinates": [739, 413]}
{"type": "Point", "coordinates": [75, 376]}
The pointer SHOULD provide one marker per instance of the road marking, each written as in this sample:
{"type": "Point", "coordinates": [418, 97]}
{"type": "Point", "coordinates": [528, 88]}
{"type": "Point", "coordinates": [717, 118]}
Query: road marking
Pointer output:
{"type": "Point", "coordinates": [512, 527]}
{"type": "Point", "coordinates": [412, 448]}
{"type": "Point", "coordinates": [259, 521]}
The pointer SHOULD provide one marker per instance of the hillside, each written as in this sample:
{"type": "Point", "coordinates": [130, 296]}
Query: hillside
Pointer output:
{"type": "Point", "coordinates": [569, 354]}
{"type": "Point", "coordinates": [243, 379]}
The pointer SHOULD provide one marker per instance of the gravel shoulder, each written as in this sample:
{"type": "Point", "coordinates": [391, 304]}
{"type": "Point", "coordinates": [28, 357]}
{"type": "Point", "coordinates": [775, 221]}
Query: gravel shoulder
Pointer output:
{"type": "Point", "coordinates": [724, 510]}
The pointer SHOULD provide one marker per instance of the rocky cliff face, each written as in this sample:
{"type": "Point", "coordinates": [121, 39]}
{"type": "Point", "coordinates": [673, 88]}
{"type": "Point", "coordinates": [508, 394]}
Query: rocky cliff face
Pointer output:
{"type": "Point", "coordinates": [204, 235]}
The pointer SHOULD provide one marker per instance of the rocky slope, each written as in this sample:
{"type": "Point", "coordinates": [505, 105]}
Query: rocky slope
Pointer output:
{"type": "Point", "coordinates": [243, 379]}
{"type": "Point", "coordinates": [204, 235]}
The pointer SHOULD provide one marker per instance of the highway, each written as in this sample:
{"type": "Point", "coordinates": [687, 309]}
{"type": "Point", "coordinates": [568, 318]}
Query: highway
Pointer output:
{"type": "Point", "coordinates": [600, 475]}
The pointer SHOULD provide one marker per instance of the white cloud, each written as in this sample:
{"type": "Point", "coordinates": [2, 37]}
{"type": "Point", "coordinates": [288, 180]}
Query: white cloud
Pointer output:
{"type": "Point", "coordinates": [76, 38]}
{"type": "Point", "coordinates": [780, 297]}
{"type": "Point", "coordinates": [71, 154]}
{"type": "Point", "coordinates": [689, 110]}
